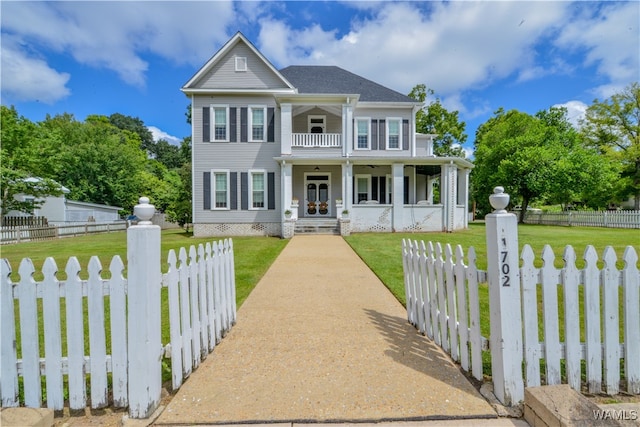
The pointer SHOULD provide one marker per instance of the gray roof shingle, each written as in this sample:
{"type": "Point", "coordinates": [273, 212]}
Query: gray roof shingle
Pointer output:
{"type": "Point", "coordinates": [313, 79]}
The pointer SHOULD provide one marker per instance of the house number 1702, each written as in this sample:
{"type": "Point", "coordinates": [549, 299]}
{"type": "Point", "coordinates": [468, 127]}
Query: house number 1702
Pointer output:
{"type": "Point", "coordinates": [504, 265]}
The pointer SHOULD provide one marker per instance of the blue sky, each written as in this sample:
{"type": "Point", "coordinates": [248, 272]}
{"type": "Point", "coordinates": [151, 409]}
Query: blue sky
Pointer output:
{"type": "Point", "coordinates": [132, 57]}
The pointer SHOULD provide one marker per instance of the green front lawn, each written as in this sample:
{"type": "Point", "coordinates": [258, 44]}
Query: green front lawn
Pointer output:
{"type": "Point", "coordinates": [382, 251]}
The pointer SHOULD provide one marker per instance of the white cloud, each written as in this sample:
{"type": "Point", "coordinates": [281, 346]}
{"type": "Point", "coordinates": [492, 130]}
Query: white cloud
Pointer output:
{"type": "Point", "coordinates": [576, 111]}
{"type": "Point", "coordinates": [159, 134]}
{"type": "Point", "coordinates": [116, 35]}
{"type": "Point", "coordinates": [610, 34]}
{"type": "Point", "coordinates": [448, 46]}
{"type": "Point", "coordinates": [30, 78]}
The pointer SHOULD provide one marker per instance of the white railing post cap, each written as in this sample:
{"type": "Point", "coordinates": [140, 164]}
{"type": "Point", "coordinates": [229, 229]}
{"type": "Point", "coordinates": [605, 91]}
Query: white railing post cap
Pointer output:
{"type": "Point", "coordinates": [499, 200]}
{"type": "Point", "coordinates": [144, 211]}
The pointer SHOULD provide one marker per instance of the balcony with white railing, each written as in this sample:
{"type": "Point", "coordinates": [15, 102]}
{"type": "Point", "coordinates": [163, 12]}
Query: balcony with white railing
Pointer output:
{"type": "Point", "coordinates": [316, 140]}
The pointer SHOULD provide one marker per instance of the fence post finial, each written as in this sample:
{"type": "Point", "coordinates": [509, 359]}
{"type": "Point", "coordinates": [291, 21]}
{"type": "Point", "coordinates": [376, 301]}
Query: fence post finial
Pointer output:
{"type": "Point", "coordinates": [144, 280]}
{"type": "Point", "coordinates": [503, 270]}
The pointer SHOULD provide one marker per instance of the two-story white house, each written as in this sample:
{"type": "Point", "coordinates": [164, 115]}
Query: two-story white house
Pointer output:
{"type": "Point", "coordinates": [316, 141]}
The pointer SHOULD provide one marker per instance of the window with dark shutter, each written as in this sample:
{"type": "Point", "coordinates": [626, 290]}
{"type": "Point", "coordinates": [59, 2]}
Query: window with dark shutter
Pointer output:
{"type": "Point", "coordinates": [405, 134]}
{"type": "Point", "coordinates": [233, 124]}
{"type": "Point", "coordinates": [233, 190]}
{"type": "Point", "coordinates": [271, 190]}
{"type": "Point", "coordinates": [271, 130]}
{"type": "Point", "coordinates": [382, 135]}
{"type": "Point", "coordinates": [374, 134]}
{"type": "Point", "coordinates": [206, 190]}
{"type": "Point", "coordinates": [383, 190]}
{"type": "Point", "coordinates": [244, 191]}
{"type": "Point", "coordinates": [206, 128]}
{"type": "Point", "coordinates": [243, 125]}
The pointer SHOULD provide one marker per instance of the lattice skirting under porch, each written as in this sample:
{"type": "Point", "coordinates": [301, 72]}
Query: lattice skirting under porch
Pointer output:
{"type": "Point", "coordinates": [251, 229]}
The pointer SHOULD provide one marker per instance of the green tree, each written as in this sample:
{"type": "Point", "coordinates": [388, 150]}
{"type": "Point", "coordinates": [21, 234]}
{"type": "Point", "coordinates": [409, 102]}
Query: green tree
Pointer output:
{"type": "Point", "coordinates": [100, 162]}
{"type": "Point", "coordinates": [180, 210]}
{"type": "Point", "coordinates": [613, 126]}
{"type": "Point", "coordinates": [435, 119]}
{"type": "Point", "coordinates": [537, 157]}
{"type": "Point", "coordinates": [135, 125]}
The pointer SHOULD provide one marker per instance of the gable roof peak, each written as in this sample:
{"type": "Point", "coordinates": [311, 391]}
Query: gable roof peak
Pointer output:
{"type": "Point", "coordinates": [237, 38]}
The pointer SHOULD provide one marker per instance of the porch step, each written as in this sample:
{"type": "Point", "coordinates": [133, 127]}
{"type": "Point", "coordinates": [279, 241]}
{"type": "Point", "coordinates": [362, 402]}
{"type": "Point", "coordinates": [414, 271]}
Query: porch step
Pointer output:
{"type": "Point", "coordinates": [317, 226]}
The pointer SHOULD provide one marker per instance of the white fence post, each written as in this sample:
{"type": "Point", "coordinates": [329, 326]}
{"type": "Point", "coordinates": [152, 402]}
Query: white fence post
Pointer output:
{"type": "Point", "coordinates": [504, 300]}
{"type": "Point", "coordinates": [143, 329]}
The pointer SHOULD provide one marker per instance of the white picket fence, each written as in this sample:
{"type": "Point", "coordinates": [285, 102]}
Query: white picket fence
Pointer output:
{"type": "Point", "coordinates": [30, 234]}
{"type": "Point", "coordinates": [201, 299]}
{"type": "Point", "coordinates": [442, 302]}
{"type": "Point", "coordinates": [608, 219]}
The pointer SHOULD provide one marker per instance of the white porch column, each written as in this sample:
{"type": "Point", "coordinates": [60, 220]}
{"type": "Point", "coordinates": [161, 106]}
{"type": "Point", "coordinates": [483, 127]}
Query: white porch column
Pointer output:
{"type": "Point", "coordinates": [397, 170]}
{"type": "Point", "coordinates": [347, 129]}
{"type": "Point", "coordinates": [463, 192]}
{"type": "Point", "coordinates": [286, 173]}
{"type": "Point", "coordinates": [347, 185]}
{"type": "Point", "coordinates": [285, 128]}
{"type": "Point", "coordinates": [448, 195]}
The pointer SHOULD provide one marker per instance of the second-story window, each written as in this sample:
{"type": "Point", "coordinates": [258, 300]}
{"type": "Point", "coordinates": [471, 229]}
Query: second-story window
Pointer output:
{"type": "Point", "coordinates": [393, 134]}
{"type": "Point", "coordinates": [257, 116]}
{"type": "Point", "coordinates": [362, 134]}
{"type": "Point", "coordinates": [220, 123]}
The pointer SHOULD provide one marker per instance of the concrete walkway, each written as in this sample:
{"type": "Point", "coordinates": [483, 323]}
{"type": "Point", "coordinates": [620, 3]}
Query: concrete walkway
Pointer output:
{"type": "Point", "coordinates": [321, 339]}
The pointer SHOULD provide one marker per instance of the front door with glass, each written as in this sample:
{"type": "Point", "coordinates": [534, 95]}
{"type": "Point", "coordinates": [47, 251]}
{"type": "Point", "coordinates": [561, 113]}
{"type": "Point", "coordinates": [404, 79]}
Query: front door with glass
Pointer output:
{"type": "Point", "coordinates": [317, 196]}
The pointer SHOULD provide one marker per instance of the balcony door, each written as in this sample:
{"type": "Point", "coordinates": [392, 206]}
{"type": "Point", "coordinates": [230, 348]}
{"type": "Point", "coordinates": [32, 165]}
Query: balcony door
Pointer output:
{"type": "Point", "coordinates": [317, 124]}
{"type": "Point", "coordinates": [317, 195]}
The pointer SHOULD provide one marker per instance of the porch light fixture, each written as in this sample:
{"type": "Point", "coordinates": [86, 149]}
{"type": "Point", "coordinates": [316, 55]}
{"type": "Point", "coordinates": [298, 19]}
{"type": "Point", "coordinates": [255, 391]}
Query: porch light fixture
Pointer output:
{"type": "Point", "coordinates": [317, 168]}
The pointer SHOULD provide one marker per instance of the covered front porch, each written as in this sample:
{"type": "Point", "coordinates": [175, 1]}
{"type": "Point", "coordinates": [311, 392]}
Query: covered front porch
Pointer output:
{"type": "Point", "coordinates": [376, 195]}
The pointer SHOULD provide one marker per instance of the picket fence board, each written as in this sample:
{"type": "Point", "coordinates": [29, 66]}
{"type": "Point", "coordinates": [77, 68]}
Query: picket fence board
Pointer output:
{"type": "Point", "coordinates": [118, 322]}
{"type": "Point", "coordinates": [75, 335]}
{"type": "Point", "coordinates": [424, 286]}
{"type": "Point", "coordinates": [172, 280]}
{"type": "Point", "coordinates": [231, 283]}
{"type": "Point", "coordinates": [451, 303]}
{"type": "Point", "coordinates": [217, 293]}
{"type": "Point", "coordinates": [549, 280]}
{"type": "Point", "coordinates": [185, 313]}
{"type": "Point", "coordinates": [442, 314]}
{"type": "Point", "coordinates": [97, 345]}
{"type": "Point", "coordinates": [610, 278]}
{"type": "Point", "coordinates": [593, 356]}
{"type": "Point", "coordinates": [195, 309]}
{"type": "Point", "coordinates": [433, 294]}
{"type": "Point", "coordinates": [29, 334]}
{"type": "Point", "coordinates": [529, 289]}
{"type": "Point", "coordinates": [211, 333]}
{"type": "Point", "coordinates": [463, 324]}
{"type": "Point", "coordinates": [631, 296]}
{"type": "Point", "coordinates": [52, 335]}
{"type": "Point", "coordinates": [407, 277]}
{"type": "Point", "coordinates": [418, 292]}
{"type": "Point", "coordinates": [570, 282]}
{"type": "Point", "coordinates": [474, 315]}
{"type": "Point", "coordinates": [8, 356]}
{"type": "Point", "coordinates": [204, 311]}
